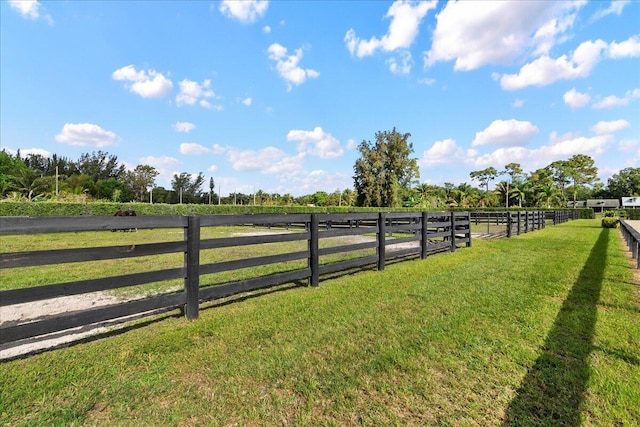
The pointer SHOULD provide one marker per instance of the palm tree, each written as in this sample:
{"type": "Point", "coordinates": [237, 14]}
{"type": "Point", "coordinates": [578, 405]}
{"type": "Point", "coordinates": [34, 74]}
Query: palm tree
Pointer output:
{"type": "Point", "coordinates": [30, 184]}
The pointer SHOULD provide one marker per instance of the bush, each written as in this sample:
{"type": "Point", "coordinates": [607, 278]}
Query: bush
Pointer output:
{"type": "Point", "coordinates": [608, 222]}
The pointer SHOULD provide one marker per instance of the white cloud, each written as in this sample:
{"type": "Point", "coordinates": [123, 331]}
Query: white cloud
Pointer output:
{"type": "Point", "coordinates": [268, 160]}
{"type": "Point", "coordinates": [575, 99]}
{"type": "Point", "coordinates": [185, 127]}
{"type": "Point", "coordinates": [506, 132]}
{"type": "Point", "coordinates": [629, 146]}
{"type": "Point", "coordinates": [147, 84]}
{"type": "Point", "coordinates": [478, 33]}
{"type": "Point", "coordinates": [351, 144]}
{"type": "Point", "coordinates": [247, 101]}
{"type": "Point", "coordinates": [30, 9]}
{"type": "Point", "coordinates": [213, 168]}
{"type": "Point", "coordinates": [28, 151]}
{"type": "Point", "coordinates": [517, 103]}
{"type": "Point", "coordinates": [402, 64]}
{"type": "Point", "coordinates": [86, 134]}
{"type": "Point", "coordinates": [193, 92]}
{"type": "Point", "coordinates": [405, 16]}
{"type": "Point", "coordinates": [629, 48]}
{"type": "Point", "coordinates": [426, 81]}
{"type": "Point", "coordinates": [446, 152]}
{"type": "Point", "coordinates": [609, 127]}
{"type": "Point", "coordinates": [546, 70]}
{"type": "Point", "coordinates": [160, 162]}
{"type": "Point", "coordinates": [218, 149]}
{"type": "Point", "coordinates": [191, 148]}
{"type": "Point", "coordinates": [245, 11]}
{"type": "Point", "coordinates": [287, 65]}
{"type": "Point", "coordinates": [615, 8]}
{"type": "Point", "coordinates": [316, 143]}
{"type": "Point", "coordinates": [613, 101]}
{"type": "Point", "coordinates": [266, 29]}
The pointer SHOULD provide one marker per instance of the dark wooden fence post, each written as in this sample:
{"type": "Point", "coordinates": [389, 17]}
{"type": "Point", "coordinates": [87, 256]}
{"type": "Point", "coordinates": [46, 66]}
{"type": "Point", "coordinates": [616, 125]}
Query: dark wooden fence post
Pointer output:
{"type": "Point", "coordinates": [314, 245]}
{"type": "Point", "coordinates": [424, 241]}
{"type": "Point", "coordinates": [382, 226]}
{"type": "Point", "coordinates": [192, 267]}
{"type": "Point", "coordinates": [509, 224]}
{"type": "Point", "coordinates": [453, 231]}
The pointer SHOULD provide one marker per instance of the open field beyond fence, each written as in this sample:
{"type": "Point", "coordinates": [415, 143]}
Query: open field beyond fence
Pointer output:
{"type": "Point", "coordinates": [540, 329]}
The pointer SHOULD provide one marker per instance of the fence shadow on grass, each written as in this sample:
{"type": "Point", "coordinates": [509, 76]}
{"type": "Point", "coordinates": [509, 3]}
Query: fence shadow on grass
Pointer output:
{"type": "Point", "coordinates": [554, 388]}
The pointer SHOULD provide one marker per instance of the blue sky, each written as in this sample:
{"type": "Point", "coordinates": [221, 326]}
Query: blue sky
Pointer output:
{"type": "Point", "coordinates": [277, 95]}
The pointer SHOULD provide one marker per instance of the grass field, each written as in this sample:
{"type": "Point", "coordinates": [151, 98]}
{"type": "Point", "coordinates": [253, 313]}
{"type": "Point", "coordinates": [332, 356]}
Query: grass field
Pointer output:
{"type": "Point", "coordinates": [540, 329]}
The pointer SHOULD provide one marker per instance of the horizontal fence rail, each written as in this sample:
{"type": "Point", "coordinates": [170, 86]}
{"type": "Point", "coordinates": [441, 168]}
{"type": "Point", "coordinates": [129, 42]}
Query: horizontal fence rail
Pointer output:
{"type": "Point", "coordinates": [496, 224]}
{"type": "Point", "coordinates": [311, 245]}
{"type": "Point", "coordinates": [632, 237]}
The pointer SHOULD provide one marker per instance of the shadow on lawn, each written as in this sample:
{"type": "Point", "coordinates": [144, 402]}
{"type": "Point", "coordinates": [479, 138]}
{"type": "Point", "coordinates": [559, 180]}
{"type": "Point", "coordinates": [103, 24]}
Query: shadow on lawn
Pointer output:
{"type": "Point", "coordinates": [554, 388]}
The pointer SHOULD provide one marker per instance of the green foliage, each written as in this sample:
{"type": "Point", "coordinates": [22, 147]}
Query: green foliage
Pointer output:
{"type": "Point", "coordinates": [531, 346]}
{"type": "Point", "coordinates": [609, 222]}
{"type": "Point", "coordinates": [385, 170]}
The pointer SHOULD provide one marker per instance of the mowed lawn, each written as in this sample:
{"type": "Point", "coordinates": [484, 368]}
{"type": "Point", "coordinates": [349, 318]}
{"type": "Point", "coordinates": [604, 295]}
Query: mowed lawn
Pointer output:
{"type": "Point", "coordinates": [540, 329]}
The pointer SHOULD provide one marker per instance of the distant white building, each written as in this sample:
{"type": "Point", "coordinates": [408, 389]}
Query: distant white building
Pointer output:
{"type": "Point", "coordinates": [631, 202]}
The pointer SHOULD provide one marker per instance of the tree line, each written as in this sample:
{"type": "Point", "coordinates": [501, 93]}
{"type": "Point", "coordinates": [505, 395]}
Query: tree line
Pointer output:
{"type": "Point", "coordinates": [385, 175]}
{"type": "Point", "coordinates": [100, 176]}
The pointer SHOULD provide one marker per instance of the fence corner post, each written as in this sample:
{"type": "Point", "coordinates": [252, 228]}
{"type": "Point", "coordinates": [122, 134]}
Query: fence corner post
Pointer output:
{"type": "Point", "coordinates": [192, 267]}
{"type": "Point", "coordinates": [424, 241]}
{"type": "Point", "coordinates": [314, 251]}
{"type": "Point", "coordinates": [382, 229]}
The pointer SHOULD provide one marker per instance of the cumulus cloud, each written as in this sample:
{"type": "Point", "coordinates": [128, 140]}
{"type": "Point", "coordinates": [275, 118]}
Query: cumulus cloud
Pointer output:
{"type": "Point", "coordinates": [506, 132]}
{"type": "Point", "coordinates": [247, 101]}
{"type": "Point", "coordinates": [575, 99]}
{"type": "Point", "coordinates": [446, 152]}
{"type": "Point", "coordinates": [30, 9]}
{"type": "Point", "coordinates": [245, 11]}
{"type": "Point", "coordinates": [160, 162]}
{"type": "Point", "coordinates": [517, 103]}
{"type": "Point", "coordinates": [545, 70]}
{"type": "Point", "coordinates": [478, 33]}
{"type": "Point", "coordinates": [288, 65]}
{"type": "Point", "coordinates": [316, 143]}
{"type": "Point", "coordinates": [266, 29]}
{"type": "Point", "coordinates": [28, 151]}
{"type": "Point", "coordinates": [85, 134]}
{"type": "Point", "coordinates": [193, 92]}
{"type": "Point", "coordinates": [406, 18]}
{"type": "Point", "coordinates": [185, 127]}
{"type": "Point", "coordinates": [146, 83]}
{"type": "Point", "coordinates": [629, 48]}
{"type": "Point", "coordinates": [613, 126]}
{"type": "Point", "coordinates": [614, 101]}
{"type": "Point", "coordinates": [191, 149]}
{"type": "Point", "coordinates": [268, 160]}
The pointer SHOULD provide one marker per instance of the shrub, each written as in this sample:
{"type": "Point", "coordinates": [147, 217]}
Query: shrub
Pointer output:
{"type": "Point", "coordinates": [608, 222]}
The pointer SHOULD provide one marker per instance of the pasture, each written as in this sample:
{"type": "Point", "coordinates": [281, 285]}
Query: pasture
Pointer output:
{"type": "Point", "coordinates": [540, 329]}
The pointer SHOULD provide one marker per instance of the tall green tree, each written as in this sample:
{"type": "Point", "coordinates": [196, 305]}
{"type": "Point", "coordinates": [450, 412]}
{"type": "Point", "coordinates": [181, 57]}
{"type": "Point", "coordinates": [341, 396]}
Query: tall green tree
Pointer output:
{"type": "Point", "coordinates": [514, 171]}
{"type": "Point", "coordinates": [625, 183]}
{"type": "Point", "coordinates": [187, 187]}
{"type": "Point", "coordinates": [100, 165]}
{"type": "Point", "coordinates": [140, 180]}
{"type": "Point", "coordinates": [582, 172]}
{"type": "Point", "coordinates": [385, 169]}
{"type": "Point", "coordinates": [484, 177]}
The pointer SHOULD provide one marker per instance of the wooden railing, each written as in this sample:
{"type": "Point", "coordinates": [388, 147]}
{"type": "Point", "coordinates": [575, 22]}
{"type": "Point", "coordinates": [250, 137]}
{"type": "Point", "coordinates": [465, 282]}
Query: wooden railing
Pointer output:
{"type": "Point", "coordinates": [632, 237]}
{"type": "Point", "coordinates": [385, 236]}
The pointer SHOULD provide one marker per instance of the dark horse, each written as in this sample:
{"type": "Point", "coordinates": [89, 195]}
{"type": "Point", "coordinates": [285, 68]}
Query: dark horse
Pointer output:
{"type": "Point", "coordinates": [125, 213]}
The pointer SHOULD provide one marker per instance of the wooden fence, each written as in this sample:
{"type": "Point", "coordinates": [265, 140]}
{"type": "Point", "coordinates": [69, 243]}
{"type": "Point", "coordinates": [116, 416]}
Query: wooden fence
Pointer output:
{"type": "Point", "coordinates": [632, 237]}
{"type": "Point", "coordinates": [383, 237]}
{"type": "Point", "coordinates": [512, 223]}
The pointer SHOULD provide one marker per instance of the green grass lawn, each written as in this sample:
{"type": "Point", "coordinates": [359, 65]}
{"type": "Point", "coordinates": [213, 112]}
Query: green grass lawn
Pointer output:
{"type": "Point", "coordinates": [540, 329]}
